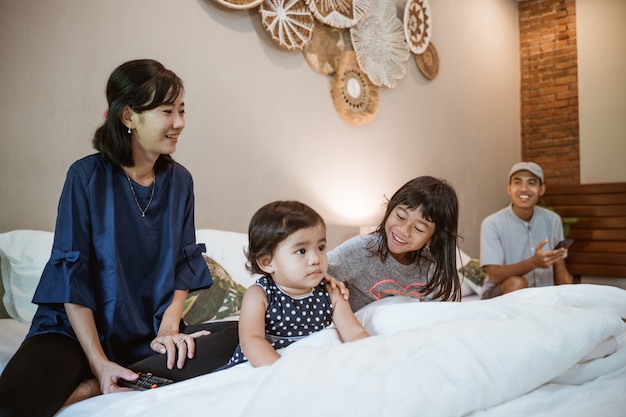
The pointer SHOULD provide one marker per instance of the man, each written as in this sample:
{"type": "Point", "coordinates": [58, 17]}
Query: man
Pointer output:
{"type": "Point", "coordinates": [516, 243]}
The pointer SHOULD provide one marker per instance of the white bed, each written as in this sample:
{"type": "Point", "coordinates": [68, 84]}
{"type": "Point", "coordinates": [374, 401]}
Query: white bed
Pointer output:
{"type": "Point", "coordinates": [553, 351]}
{"type": "Point", "coordinates": [557, 351]}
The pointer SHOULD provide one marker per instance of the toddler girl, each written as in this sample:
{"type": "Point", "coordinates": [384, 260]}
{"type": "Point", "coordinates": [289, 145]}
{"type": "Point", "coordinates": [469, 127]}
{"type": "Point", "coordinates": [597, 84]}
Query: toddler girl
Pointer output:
{"type": "Point", "coordinates": [287, 244]}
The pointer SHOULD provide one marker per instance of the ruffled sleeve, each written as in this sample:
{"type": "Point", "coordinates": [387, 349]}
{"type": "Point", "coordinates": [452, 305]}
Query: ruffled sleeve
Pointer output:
{"type": "Point", "coordinates": [66, 277]}
{"type": "Point", "coordinates": [192, 272]}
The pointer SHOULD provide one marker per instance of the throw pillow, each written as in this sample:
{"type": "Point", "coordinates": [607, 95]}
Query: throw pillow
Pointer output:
{"type": "Point", "coordinates": [23, 256]}
{"type": "Point", "coordinates": [221, 300]}
{"type": "Point", "coordinates": [474, 275]}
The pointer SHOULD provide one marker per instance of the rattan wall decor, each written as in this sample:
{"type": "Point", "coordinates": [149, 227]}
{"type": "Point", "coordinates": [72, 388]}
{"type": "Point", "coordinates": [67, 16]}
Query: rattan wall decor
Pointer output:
{"type": "Point", "coordinates": [361, 44]}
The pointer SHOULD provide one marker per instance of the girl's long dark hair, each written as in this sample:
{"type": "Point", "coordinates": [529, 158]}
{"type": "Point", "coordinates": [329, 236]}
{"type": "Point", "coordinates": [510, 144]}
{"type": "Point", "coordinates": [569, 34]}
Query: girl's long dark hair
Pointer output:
{"type": "Point", "coordinates": [438, 203]}
{"type": "Point", "coordinates": [142, 85]}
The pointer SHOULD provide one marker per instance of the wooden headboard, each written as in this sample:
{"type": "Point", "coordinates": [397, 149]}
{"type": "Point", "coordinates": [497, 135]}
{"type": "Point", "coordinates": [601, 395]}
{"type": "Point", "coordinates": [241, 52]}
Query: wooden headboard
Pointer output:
{"type": "Point", "coordinates": [599, 247]}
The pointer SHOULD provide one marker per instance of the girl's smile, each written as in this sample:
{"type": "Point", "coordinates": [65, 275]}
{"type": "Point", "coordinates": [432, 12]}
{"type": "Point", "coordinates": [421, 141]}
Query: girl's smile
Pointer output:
{"type": "Point", "coordinates": [407, 231]}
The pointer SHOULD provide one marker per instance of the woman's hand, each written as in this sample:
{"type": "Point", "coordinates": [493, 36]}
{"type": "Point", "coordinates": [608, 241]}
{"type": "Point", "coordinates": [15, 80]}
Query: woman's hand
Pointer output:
{"type": "Point", "coordinates": [108, 374]}
{"type": "Point", "coordinates": [338, 285]}
{"type": "Point", "coordinates": [177, 346]}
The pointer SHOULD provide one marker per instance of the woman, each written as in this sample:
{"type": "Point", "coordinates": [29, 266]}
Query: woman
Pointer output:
{"type": "Point", "coordinates": [123, 259]}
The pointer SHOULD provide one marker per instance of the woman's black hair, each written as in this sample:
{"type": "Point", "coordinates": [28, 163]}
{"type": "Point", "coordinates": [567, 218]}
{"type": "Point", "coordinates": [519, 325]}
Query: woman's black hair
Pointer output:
{"type": "Point", "coordinates": [272, 224]}
{"type": "Point", "coordinates": [437, 202]}
{"type": "Point", "coordinates": [142, 84]}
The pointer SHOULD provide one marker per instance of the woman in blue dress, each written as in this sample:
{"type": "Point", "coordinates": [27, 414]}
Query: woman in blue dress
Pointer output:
{"type": "Point", "coordinates": [123, 260]}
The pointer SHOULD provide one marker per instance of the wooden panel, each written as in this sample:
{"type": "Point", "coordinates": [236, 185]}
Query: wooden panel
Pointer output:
{"type": "Point", "coordinates": [588, 200]}
{"type": "Point", "coordinates": [598, 246]}
{"type": "Point", "coordinates": [618, 187]}
{"type": "Point", "coordinates": [596, 258]}
{"type": "Point", "coordinates": [600, 223]}
{"type": "Point", "coordinates": [616, 271]}
{"type": "Point", "coordinates": [591, 211]}
{"type": "Point", "coordinates": [597, 234]}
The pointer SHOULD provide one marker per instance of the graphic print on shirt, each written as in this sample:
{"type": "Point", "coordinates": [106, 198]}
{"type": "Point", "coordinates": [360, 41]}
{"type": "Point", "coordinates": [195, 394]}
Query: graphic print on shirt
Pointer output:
{"type": "Point", "coordinates": [390, 287]}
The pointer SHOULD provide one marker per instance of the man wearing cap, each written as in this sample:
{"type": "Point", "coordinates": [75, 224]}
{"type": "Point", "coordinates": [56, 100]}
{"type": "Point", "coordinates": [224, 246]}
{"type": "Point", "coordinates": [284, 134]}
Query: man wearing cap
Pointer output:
{"type": "Point", "coordinates": [516, 242]}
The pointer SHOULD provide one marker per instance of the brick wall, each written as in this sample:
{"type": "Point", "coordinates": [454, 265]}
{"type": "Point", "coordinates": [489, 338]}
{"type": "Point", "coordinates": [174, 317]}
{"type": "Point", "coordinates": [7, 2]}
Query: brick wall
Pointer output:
{"type": "Point", "coordinates": [549, 88]}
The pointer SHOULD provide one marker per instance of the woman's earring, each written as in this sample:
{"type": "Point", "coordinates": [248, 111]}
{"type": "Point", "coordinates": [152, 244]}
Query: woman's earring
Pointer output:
{"type": "Point", "coordinates": [129, 130]}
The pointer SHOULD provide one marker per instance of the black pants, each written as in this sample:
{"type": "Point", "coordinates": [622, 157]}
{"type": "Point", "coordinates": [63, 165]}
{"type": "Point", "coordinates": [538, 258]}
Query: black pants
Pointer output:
{"type": "Point", "coordinates": [212, 352]}
{"type": "Point", "coordinates": [47, 368]}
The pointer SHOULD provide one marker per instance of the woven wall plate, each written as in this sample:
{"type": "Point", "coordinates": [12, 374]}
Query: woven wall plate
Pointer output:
{"type": "Point", "coordinates": [428, 61]}
{"type": "Point", "coordinates": [239, 4]}
{"type": "Point", "coordinates": [417, 25]}
{"type": "Point", "coordinates": [378, 41]}
{"type": "Point", "coordinates": [354, 96]}
{"type": "Point", "coordinates": [324, 48]}
{"type": "Point", "coordinates": [290, 22]}
{"type": "Point", "coordinates": [338, 13]}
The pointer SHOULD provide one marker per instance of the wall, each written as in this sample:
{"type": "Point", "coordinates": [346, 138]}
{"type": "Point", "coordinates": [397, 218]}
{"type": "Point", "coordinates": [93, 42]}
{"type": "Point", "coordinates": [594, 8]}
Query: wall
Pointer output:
{"type": "Point", "coordinates": [549, 88]}
{"type": "Point", "coordinates": [260, 123]}
{"type": "Point", "coordinates": [574, 93]}
{"type": "Point", "coordinates": [573, 90]}
{"type": "Point", "coordinates": [602, 92]}
{"type": "Point", "coordinates": [601, 25]}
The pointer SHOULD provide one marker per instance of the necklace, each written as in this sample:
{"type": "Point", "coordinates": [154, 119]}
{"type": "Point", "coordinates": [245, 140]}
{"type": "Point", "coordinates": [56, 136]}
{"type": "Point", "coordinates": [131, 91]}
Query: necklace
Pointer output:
{"type": "Point", "coordinates": [132, 189]}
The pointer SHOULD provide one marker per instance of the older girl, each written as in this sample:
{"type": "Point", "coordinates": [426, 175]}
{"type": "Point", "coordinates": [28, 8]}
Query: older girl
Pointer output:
{"type": "Point", "coordinates": [412, 252]}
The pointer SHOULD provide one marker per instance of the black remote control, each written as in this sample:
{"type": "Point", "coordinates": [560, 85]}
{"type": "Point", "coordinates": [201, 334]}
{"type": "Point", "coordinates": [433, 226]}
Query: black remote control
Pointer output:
{"type": "Point", "coordinates": [144, 382]}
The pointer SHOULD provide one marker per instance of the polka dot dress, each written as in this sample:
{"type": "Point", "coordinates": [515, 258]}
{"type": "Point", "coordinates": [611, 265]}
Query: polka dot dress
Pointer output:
{"type": "Point", "coordinates": [289, 319]}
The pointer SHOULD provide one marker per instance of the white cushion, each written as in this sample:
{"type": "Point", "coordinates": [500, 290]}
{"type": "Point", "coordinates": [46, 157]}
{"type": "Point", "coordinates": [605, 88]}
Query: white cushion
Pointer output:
{"type": "Point", "coordinates": [228, 249]}
{"type": "Point", "coordinates": [23, 256]}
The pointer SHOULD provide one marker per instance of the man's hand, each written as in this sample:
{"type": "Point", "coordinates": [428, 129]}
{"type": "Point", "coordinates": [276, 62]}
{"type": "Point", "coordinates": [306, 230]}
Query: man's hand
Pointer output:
{"type": "Point", "coordinates": [546, 258]}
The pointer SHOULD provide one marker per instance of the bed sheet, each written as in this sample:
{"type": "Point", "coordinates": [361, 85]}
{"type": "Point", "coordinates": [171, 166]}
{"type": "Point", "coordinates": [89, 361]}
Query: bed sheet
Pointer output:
{"type": "Point", "coordinates": [12, 333]}
{"type": "Point", "coordinates": [526, 353]}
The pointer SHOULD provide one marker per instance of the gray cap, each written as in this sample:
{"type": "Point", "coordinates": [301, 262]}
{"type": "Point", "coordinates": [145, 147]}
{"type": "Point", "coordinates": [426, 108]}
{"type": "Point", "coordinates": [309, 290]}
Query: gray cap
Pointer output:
{"type": "Point", "coordinates": [527, 166]}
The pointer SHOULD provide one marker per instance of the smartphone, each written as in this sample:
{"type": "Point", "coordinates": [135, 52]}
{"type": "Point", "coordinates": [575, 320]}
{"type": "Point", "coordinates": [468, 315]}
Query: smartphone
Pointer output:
{"type": "Point", "coordinates": [564, 244]}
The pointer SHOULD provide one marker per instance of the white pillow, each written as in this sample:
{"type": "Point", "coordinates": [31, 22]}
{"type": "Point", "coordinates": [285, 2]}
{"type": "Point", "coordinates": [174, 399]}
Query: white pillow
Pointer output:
{"type": "Point", "coordinates": [23, 256]}
{"type": "Point", "coordinates": [228, 249]}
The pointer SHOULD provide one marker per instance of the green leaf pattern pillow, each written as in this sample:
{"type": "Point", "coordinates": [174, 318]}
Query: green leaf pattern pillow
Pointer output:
{"type": "Point", "coordinates": [221, 300]}
{"type": "Point", "coordinates": [473, 272]}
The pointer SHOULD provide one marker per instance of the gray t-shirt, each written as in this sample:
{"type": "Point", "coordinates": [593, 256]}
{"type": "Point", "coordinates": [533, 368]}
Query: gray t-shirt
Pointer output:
{"type": "Point", "coordinates": [506, 239]}
{"type": "Point", "coordinates": [369, 278]}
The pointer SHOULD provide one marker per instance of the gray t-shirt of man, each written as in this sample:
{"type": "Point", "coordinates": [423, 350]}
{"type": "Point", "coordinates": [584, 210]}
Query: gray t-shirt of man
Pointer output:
{"type": "Point", "coordinates": [505, 239]}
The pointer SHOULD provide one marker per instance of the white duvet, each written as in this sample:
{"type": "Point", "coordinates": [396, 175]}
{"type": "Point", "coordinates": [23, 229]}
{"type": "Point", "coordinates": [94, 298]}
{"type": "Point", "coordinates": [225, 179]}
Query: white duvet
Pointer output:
{"type": "Point", "coordinates": [552, 351]}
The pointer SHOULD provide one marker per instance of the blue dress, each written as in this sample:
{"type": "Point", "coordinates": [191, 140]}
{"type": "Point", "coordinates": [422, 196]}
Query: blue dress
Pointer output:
{"type": "Point", "coordinates": [289, 319]}
{"type": "Point", "coordinates": [123, 266]}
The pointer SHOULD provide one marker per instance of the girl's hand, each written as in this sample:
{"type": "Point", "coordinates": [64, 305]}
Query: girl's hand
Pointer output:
{"type": "Point", "coordinates": [334, 284]}
{"type": "Point", "coordinates": [178, 347]}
